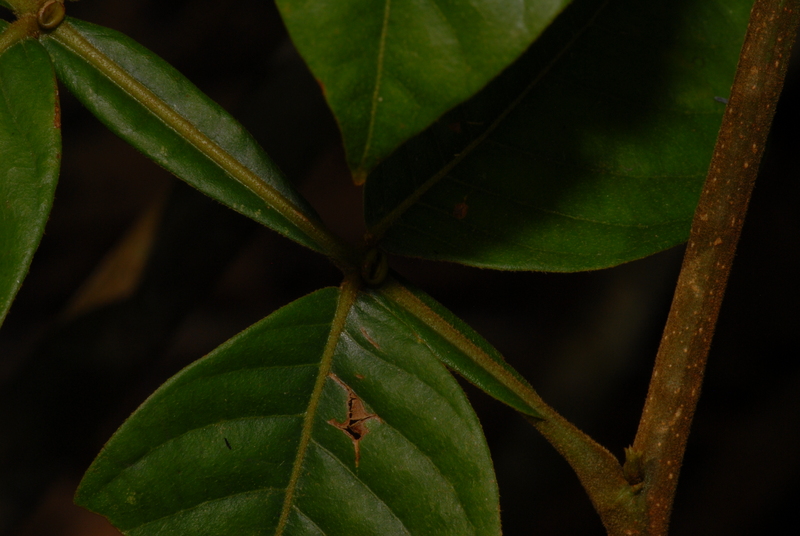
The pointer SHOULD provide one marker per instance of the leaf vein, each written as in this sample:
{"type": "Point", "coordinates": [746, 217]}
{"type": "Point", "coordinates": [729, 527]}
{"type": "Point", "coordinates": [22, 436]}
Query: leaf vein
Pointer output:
{"type": "Point", "coordinates": [305, 516]}
{"type": "Point", "coordinates": [378, 78]}
{"type": "Point", "coordinates": [200, 504]}
{"type": "Point", "coordinates": [366, 486]}
{"type": "Point", "coordinates": [396, 367]}
{"type": "Point", "coordinates": [162, 444]}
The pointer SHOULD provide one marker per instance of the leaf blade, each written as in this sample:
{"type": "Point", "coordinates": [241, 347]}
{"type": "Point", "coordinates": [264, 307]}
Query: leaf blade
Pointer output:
{"type": "Point", "coordinates": [226, 434]}
{"type": "Point", "coordinates": [389, 70]}
{"type": "Point", "coordinates": [598, 162]}
{"type": "Point", "coordinates": [154, 108]}
{"type": "Point", "coordinates": [30, 154]}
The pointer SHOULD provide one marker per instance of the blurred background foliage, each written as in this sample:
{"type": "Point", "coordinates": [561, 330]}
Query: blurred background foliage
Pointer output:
{"type": "Point", "coordinates": [138, 275]}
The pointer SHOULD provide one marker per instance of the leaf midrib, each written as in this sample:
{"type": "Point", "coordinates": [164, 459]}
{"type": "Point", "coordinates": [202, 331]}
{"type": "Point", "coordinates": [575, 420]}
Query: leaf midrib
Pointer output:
{"type": "Point", "coordinates": [347, 297]}
{"type": "Point", "coordinates": [378, 79]}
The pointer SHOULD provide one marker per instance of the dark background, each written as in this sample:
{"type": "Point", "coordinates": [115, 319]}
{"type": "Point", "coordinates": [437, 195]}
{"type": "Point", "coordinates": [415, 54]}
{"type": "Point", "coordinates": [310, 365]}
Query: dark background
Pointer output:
{"type": "Point", "coordinates": [585, 341]}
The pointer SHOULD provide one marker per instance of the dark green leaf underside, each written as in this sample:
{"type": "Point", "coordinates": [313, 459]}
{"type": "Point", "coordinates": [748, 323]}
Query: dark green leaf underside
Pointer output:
{"type": "Point", "coordinates": [30, 155]}
{"type": "Point", "coordinates": [390, 68]}
{"type": "Point", "coordinates": [213, 450]}
{"type": "Point", "coordinates": [136, 124]}
{"type": "Point", "coordinates": [599, 163]}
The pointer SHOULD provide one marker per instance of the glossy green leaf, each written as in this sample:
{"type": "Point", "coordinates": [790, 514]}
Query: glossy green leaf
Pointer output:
{"type": "Point", "coordinates": [30, 155]}
{"type": "Point", "coordinates": [198, 142]}
{"type": "Point", "coordinates": [390, 68]}
{"type": "Point", "coordinates": [256, 437]}
{"type": "Point", "coordinates": [588, 152]}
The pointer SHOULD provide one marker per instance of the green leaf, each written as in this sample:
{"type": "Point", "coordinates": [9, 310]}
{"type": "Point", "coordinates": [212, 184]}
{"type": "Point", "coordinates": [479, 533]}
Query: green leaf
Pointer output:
{"type": "Point", "coordinates": [588, 152]}
{"type": "Point", "coordinates": [30, 155]}
{"type": "Point", "coordinates": [254, 438]}
{"type": "Point", "coordinates": [389, 69]}
{"type": "Point", "coordinates": [458, 346]}
{"type": "Point", "coordinates": [157, 110]}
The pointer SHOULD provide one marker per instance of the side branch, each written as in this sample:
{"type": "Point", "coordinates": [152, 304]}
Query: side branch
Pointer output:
{"type": "Point", "coordinates": [678, 373]}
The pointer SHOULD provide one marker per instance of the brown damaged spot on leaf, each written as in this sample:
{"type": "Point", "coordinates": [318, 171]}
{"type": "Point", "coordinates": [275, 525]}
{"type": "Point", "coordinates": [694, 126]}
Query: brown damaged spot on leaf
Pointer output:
{"type": "Point", "coordinates": [354, 425]}
{"type": "Point", "coordinates": [366, 336]}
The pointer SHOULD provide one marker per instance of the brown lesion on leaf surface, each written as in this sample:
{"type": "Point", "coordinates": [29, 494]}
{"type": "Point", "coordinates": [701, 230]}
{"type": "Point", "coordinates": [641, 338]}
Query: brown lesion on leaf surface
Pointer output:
{"type": "Point", "coordinates": [354, 424]}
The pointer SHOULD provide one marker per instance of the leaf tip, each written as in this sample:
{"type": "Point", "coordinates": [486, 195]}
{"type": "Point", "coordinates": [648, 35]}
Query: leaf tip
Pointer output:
{"type": "Point", "coordinates": [360, 176]}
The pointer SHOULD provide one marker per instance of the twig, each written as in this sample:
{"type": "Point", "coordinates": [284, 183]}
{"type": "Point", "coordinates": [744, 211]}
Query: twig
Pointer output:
{"type": "Point", "coordinates": [660, 442]}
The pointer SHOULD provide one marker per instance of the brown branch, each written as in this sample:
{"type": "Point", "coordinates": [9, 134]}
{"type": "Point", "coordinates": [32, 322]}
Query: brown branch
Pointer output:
{"type": "Point", "coordinates": [678, 373]}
